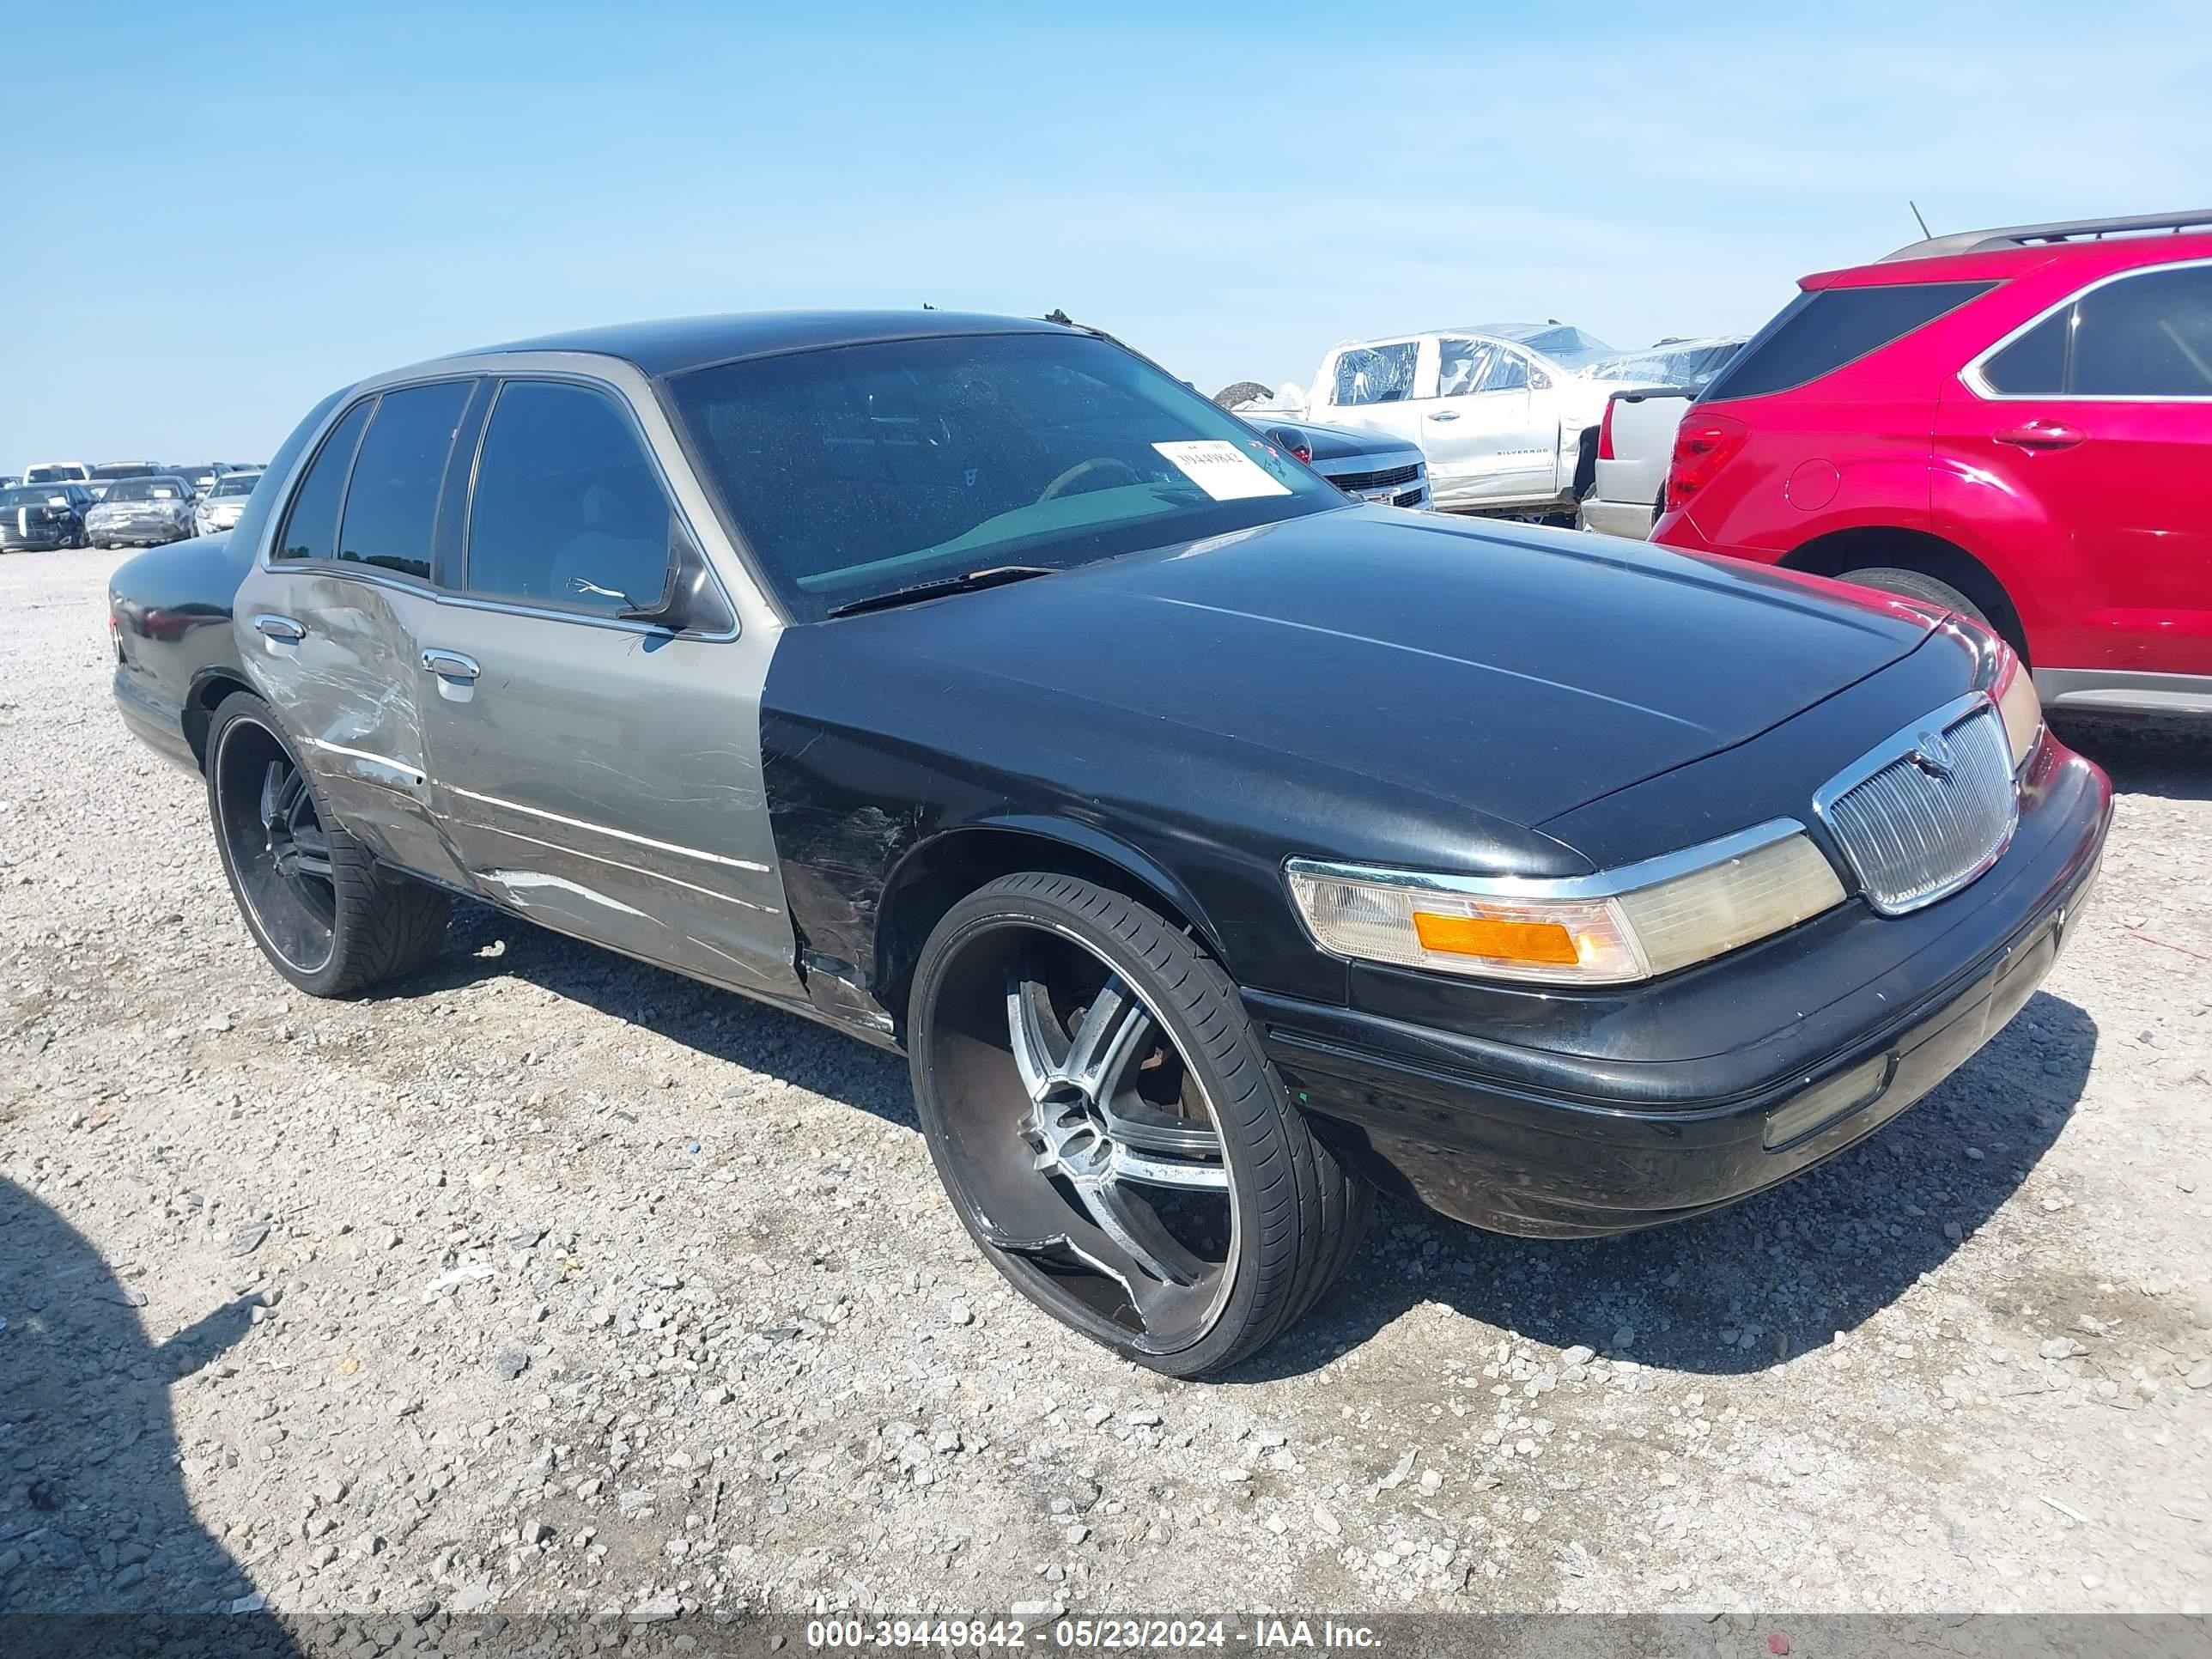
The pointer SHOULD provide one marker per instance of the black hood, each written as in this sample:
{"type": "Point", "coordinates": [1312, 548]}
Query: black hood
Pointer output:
{"type": "Point", "coordinates": [1515, 671]}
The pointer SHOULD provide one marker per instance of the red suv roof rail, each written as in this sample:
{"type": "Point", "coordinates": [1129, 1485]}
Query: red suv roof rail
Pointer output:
{"type": "Point", "coordinates": [2065, 230]}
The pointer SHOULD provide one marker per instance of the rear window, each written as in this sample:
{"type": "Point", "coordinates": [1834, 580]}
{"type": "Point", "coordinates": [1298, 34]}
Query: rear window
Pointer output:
{"type": "Point", "coordinates": [1823, 329]}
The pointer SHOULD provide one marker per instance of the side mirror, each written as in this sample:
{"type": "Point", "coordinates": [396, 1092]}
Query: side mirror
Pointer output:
{"type": "Point", "coordinates": [1539, 381]}
{"type": "Point", "coordinates": [689, 601]}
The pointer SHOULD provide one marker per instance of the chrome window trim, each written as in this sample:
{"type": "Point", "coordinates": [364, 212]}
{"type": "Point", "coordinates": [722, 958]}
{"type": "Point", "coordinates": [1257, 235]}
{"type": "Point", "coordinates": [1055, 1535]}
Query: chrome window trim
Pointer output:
{"type": "Point", "coordinates": [1604, 883]}
{"type": "Point", "coordinates": [614, 394]}
{"type": "Point", "coordinates": [353, 570]}
{"type": "Point", "coordinates": [1977, 381]}
{"type": "Point", "coordinates": [1892, 749]}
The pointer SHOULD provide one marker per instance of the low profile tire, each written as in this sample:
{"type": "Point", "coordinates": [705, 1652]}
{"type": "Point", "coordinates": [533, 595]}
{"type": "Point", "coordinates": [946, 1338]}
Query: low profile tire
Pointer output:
{"type": "Point", "coordinates": [1100, 1109]}
{"type": "Point", "coordinates": [1914, 585]}
{"type": "Point", "coordinates": [329, 918]}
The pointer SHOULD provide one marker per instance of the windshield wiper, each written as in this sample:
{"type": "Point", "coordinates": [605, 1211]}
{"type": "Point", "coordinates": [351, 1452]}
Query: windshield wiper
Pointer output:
{"type": "Point", "coordinates": [996, 576]}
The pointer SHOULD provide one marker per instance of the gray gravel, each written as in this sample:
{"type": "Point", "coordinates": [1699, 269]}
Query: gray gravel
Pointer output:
{"type": "Point", "coordinates": [544, 1281]}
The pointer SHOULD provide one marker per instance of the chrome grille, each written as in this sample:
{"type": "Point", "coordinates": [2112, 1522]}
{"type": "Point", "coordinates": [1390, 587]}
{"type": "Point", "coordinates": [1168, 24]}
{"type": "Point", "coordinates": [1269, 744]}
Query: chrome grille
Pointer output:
{"type": "Point", "coordinates": [1929, 810]}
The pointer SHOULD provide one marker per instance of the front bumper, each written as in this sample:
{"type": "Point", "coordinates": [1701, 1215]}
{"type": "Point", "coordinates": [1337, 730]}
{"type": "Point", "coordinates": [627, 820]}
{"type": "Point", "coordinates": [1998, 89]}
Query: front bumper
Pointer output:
{"type": "Point", "coordinates": [1551, 1145]}
{"type": "Point", "coordinates": [141, 532]}
{"type": "Point", "coordinates": [40, 540]}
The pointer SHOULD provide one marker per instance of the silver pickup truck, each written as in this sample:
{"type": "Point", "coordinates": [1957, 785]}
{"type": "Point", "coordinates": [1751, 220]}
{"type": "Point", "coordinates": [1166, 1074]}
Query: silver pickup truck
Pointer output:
{"type": "Point", "coordinates": [1636, 435]}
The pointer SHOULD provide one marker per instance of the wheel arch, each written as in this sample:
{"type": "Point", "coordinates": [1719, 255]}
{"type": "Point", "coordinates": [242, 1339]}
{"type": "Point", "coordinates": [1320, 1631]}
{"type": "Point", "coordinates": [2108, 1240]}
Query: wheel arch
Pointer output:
{"type": "Point", "coordinates": [209, 688]}
{"type": "Point", "coordinates": [935, 874]}
{"type": "Point", "coordinates": [1860, 546]}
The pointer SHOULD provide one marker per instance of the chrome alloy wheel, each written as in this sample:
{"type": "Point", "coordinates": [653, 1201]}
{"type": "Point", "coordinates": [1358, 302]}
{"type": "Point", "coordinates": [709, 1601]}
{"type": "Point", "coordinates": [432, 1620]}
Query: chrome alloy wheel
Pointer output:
{"type": "Point", "coordinates": [1083, 1144]}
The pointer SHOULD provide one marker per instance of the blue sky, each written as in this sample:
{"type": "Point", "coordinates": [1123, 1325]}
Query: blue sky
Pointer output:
{"type": "Point", "coordinates": [248, 207]}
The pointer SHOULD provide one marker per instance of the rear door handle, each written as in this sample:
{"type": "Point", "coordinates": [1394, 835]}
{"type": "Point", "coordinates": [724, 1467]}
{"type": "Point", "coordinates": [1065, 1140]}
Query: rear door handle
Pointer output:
{"type": "Point", "coordinates": [450, 665]}
{"type": "Point", "coordinates": [2040, 434]}
{"type": "Point", "coordinates": [1444, 414]}
{"type": "Point", "coordinates": [271, 627]}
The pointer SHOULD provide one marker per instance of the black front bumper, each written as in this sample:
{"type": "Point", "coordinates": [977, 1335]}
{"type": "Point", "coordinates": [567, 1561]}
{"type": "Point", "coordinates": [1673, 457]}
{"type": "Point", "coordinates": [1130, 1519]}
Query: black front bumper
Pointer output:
{"type": "Point", "coordinates": [39, 540]}
{"type": "Point", "coordinates": [1547, 1143]}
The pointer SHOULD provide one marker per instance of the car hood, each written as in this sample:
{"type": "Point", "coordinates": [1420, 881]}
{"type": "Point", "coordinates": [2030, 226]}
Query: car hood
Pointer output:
{"type": "Point", "coordinates": [1516, 671]}
{"type": "Point", "coordinates": [1337, 443]}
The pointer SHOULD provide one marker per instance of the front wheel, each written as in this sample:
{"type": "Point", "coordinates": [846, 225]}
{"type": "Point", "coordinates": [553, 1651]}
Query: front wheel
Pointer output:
{"type": "Point", "coordinates": [328, 917]}
{"type": "Point", "coordinates": [1101, 1112]}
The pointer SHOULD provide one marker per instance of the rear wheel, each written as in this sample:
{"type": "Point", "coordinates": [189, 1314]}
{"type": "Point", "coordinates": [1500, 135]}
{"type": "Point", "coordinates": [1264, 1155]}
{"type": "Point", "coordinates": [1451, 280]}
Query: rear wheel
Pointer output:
{"type": "Point", "coordinates": [1916, 585]}
{"type": "Point", "coordinates": [1109, 1129]}
{"type": "Point", "coordinates": [328, 917]}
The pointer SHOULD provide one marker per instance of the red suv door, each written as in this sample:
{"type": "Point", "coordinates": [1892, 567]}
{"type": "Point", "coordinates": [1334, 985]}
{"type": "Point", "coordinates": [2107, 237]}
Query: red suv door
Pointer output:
{"type": "Point", "coordinates": [2080, 444]}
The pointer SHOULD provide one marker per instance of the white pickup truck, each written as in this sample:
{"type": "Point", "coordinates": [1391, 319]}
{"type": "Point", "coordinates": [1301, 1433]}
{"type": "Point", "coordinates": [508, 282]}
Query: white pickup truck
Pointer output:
{"type": "Point", "coordinates": [1636, 434]}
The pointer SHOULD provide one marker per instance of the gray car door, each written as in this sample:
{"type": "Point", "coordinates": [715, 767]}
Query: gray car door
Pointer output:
{"type": "Point", "coordinates": [598, 775]}
{"type": "Point", "coordinates": [326, 621]}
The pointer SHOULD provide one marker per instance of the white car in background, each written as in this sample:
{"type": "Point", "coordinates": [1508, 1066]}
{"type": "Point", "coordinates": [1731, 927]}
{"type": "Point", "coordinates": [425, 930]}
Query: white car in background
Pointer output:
{"type": "Point", "coordinates": [1651, 392]}
{"type": "Point", "coordinates": [218, 508]}
{"type": "Point", "coordinates": [1500, 410]}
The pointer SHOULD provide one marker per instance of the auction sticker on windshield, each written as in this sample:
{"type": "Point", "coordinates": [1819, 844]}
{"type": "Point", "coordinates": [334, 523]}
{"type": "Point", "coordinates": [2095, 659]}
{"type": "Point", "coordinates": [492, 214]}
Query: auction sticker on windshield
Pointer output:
{"type": "Point", "coordinates": [1220, 469]}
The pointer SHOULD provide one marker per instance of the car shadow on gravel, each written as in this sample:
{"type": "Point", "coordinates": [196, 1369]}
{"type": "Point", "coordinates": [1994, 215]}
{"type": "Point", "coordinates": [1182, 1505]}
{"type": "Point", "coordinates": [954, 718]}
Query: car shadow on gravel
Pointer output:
{"type": "Point", "coordinates": [1746, 1287]}
{"type": "Point", "coordinates": [1736, 1291]}
{"type": "Point", "coordinates": [99, 1547]}
{"type": "Point", "coordinates": [2146, 756]}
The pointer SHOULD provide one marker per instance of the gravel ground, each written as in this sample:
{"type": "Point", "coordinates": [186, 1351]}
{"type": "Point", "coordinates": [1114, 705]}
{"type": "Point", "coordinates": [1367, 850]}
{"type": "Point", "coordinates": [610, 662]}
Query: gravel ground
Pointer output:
{"type": "Point", "coordinates": [548, 1281]}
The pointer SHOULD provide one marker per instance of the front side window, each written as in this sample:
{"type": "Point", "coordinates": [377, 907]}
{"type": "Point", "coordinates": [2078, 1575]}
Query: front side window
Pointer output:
{"type": "Point", "coordinates": [2145, 337]}
{"type": "Point", "coordinates": [1374, 374]}
{"type": "Point", "coordinates": [1462, 366]}
{"type": "Point", "coordinates": [1508, 372]}
{"type": "Point", "coordinates": [1823, 329]}
{"type": "Point", "coordinates": [855, 473]}
{"type": "Point", "coordinates": [392, 502]}
{"type": "Point", "coordinates": [311, 529]}
{"type": "Point", "coordinates": [568, 511]}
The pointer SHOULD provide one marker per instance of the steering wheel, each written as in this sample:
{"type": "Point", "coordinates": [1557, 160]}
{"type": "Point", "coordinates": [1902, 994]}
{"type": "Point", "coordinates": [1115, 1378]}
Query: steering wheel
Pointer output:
{"type": "Point", "coordinates": [1097, 464]}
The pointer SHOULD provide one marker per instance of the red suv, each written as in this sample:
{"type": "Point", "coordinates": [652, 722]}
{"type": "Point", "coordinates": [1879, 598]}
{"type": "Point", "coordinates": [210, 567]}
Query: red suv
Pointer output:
{"type": "Point", "coordinates": [2016, 424]}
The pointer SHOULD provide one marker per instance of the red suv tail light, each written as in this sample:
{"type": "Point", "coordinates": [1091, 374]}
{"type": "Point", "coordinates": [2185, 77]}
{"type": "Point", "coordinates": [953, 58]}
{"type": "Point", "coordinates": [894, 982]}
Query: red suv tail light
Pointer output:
{"type": "Point", "coordinates": [1604, 432]}
{"type": "Point", "coordinates": [1703, 446]}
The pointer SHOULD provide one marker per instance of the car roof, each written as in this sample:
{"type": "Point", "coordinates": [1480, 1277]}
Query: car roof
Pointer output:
{"type": "Point", "coordinates": [674, 344]}
{"type": "Point", "coordinates": [1999, 262]}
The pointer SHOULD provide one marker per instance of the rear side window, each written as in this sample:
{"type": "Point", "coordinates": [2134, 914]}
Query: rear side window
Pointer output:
{"type": "Point", "coordinates": [1374, 374]}
{"type": "Point", "coordinates": [393, 500]}
{"type": "Point", "coordinates": [568, 510]}
{"type": "Point", "coordinates": [311, 528]}
{"type": "Point", "coordinates": [1823, 329]}
{"type": "Point", "coordinates": [2146, 336]}
{"type": "Point", "coordinates": [2034, 365]}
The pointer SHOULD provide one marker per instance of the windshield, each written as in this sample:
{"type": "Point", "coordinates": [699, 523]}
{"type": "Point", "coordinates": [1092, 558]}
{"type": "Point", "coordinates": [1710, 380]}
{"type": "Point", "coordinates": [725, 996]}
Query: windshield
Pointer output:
{"type": "Point", "coordinates": [125, 469]}
{"type": "Point", "coordinates": [53, 474]}
{"type": "Point", "coordinates": [236, 484]}
{"type": "Point", "coordinates": [1690, 363]}
{"type": "Point", "coordinates": [858, 471]}
{"type": "Point", "coordinates": [147, 489]}
{"type": "Point", "coordinates": [30, 496]}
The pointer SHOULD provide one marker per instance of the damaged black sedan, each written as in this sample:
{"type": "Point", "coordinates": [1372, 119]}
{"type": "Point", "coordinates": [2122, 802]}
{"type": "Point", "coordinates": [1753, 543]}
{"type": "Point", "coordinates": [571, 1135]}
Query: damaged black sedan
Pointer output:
{"type": "Point", "coordinates": [1214, 847]}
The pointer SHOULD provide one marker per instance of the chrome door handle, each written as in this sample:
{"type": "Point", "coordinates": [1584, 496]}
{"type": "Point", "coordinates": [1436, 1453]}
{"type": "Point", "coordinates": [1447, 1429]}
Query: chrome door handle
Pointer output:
{"type": "Point", "coordinates": [1444, 414]}
{"type": "Point", "coordinates": [279, 627]}
{"type": "Point", "coordinates": [450, 665]}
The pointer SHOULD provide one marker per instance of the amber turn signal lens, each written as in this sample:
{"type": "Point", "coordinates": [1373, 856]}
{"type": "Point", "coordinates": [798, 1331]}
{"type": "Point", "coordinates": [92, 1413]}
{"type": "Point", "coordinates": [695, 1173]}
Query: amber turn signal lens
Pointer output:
{"type": "Point", "coordinates": [1501, 941]}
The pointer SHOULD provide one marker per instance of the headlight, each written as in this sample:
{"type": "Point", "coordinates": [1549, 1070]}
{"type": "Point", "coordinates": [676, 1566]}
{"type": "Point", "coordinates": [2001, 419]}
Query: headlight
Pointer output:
{"type": "Point", "coordinates": [1632, 923]}
{"type": "Point", "coordinates": [1999, 671]}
